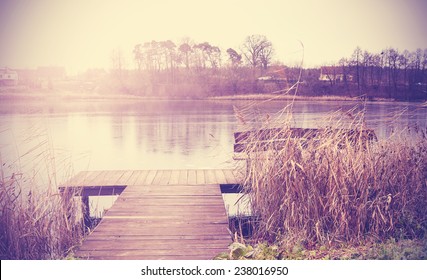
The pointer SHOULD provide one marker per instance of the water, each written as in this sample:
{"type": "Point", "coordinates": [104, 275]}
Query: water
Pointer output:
{"type": "Point", "coordinates": [62, 138]}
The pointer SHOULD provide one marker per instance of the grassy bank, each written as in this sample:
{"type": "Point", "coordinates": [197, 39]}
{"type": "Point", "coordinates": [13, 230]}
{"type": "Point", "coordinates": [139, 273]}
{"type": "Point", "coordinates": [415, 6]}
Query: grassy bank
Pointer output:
{"type": "Point", "coordinates": [269, 96]}
{"type": "Point", "coordinates": [37, 223]}
{"type": "Point", "coordinates": [387, 250]}
{"type": "Point", "coordinates": [330, 190]}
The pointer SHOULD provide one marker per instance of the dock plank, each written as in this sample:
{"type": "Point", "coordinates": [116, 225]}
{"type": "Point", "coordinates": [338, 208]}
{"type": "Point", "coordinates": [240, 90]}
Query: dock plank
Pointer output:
{"type": "Point", "coordinates": [174, 179]}
{"type": "Point", "coordinates": [124, 178]}
{"type": "Point", "coordinates": [78, 179]}
{"type": "Point", "coordinates": [160, 214]}
{"type": "Point", "coordinates": [200, 177]}
{"type": "Point", "coordinates": [210, 177]}
{"type": "Point", "coordinates": [90, 180]}
{"type": "Point", "coordinates": [161, 222]}
{"type": "Point", "coordinates": [142, 177]}
{"type": "Point", "coordinates": [183, 177]}
{"type": "Point", "coordinates": [150, 177]}
{"type": "Point", "coordinates": [229, 176]}
{"type": "Point", "coordinates": [133, 177]}
{"type": "Point", "coordinates": [192, 177]}
{"type": "Point", "coordinates": [164, 180]}
{"type": "Point", "coordinates": [220, 176]}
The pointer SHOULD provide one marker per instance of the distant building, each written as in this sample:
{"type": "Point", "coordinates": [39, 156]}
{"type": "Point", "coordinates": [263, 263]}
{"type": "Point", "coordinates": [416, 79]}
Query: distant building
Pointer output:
{"type": "Point", "coordinates": [275, 74]}
{"type": "Point", "coordinates": [334, 74]}
{"type": "Point", "coordinates": [8, 77]}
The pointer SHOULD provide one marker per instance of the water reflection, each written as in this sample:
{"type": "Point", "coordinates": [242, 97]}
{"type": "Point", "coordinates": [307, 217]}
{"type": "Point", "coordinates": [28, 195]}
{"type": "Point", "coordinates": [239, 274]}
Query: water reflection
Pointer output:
{"type": "Point", "coordinates": [160, 134]}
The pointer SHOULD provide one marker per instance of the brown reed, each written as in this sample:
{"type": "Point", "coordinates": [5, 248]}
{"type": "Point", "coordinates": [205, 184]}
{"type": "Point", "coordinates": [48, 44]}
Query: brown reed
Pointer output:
{"type": "Point", "coordinates": [37, 223]}
{"type": "Point", "coordinates": [332, 188]}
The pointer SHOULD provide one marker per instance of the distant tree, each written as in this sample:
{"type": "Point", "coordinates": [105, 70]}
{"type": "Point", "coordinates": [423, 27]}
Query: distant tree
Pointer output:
{"type": "Point", "coordinates": [366, 65]}
{"type": "Point", "coordinates": [266, 55]}
{"type": "Point", "coordinates": [206, 53]}
{"type": "Point", "coordinates": [138, 56]}
{"type": "Point", "coordinates": [404, 63]}
{"type": "Point", "coordinates": [185, 50]}
{"type": "Point", "coordinates": [254, 47]}
{"type": "Point", "coordinates": [393, 56]}
{"type": "Point", "coordinates": [343, 63]}
{"type": "Point", "coordinates": [234, 57]}
{"type": "Point", "coordinates": [355, 61]}
{"type": "Point", "coordinates": [168, 49]}
{"type": "Point", "coordinates": [376, 70]}
{"type": "Point", "coordinates": [117, 63]}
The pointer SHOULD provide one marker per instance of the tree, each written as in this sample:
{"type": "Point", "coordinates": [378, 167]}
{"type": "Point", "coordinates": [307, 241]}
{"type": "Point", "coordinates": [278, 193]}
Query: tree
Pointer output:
{"type": "Point", "coordinates": [266, 55]}
{"type": "Point", "coordinates": [138, 56]}
{"type": "Point", "coordinates": [207, 53]}
{"type": "Point", "coordinates": [256, 47]}
{"type": "Point", "coordinates": [355, 61]}
{"type": "Point", "coordinates": [393, 56]}
{"type": "Point", "coordinates": [117, 63]}
{"type": "Point", "coordinates": [185, 50]}
{"type": "Point", "coordinates": [234, 57]}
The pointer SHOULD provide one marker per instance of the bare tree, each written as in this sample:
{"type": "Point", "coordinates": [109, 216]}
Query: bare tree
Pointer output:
{"type": "Point", "coordinates": [266, 55]}
{"type": "Point", "coordinates": [117, 63]}
{"type": "Point", "coordinates": [138, 56]}
{"type": "Point", "coordinates": [355, 61]}
{"type": "Point", "coordinates": [255, 47]}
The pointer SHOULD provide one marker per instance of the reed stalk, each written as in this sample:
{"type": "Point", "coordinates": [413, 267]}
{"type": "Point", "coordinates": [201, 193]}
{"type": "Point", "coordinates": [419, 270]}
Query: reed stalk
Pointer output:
{"type": "Point", "coordinates": [37, 224]}
{"type": "Point", "coordinates": [332, 189]}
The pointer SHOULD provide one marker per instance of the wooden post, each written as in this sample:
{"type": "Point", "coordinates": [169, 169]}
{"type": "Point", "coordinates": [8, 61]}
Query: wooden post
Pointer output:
{"type": "Point", "coordinates": [86, 210]}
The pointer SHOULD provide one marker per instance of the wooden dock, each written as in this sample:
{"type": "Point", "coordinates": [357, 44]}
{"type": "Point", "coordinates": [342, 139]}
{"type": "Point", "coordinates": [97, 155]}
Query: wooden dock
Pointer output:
{"type": "Point", "coordinates": [160, 214]}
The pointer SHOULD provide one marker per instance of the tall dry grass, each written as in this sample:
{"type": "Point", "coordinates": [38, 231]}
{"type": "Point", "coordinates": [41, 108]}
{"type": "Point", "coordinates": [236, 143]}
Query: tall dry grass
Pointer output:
{"type": "Point", "coordinates": [330, 188]}
{"type": "Point", "coordinates": [37, 223]}
{"type": "Point", "coordinates": [36, 220]}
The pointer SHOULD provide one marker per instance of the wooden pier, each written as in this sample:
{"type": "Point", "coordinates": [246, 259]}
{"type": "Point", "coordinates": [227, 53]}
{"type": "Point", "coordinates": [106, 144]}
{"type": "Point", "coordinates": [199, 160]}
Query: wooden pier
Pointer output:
{"type": "Point", "coordinates": [160, 214]}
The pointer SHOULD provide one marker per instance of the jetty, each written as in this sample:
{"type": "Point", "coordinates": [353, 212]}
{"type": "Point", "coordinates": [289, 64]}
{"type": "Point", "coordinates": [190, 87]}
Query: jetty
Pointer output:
{"type": "Point", "coordinates": [159, 214]}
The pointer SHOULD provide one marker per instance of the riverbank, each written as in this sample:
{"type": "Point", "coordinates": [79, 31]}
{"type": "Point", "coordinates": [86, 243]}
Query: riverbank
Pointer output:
{"type": "Point", "coordinates": [16, 94]}
{"type": "Point", "coordinates": [287, 97]}
{"type": "Point", "coordinates": [391, 249]}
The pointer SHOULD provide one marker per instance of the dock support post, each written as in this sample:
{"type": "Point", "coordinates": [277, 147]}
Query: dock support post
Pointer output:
{"type": "Point", "coordinates": [86, 210]}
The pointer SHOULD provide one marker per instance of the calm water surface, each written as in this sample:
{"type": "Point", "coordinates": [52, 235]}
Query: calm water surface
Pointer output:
{"type": "Point", "coordinates": [155, 134]}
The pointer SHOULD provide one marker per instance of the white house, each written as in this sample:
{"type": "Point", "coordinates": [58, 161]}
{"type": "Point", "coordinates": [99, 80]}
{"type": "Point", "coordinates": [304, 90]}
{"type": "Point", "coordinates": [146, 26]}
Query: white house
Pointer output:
{"type": "Point", "coordinates": [334, 74]}
{"type": "Point", "coordinates": [8, 77]}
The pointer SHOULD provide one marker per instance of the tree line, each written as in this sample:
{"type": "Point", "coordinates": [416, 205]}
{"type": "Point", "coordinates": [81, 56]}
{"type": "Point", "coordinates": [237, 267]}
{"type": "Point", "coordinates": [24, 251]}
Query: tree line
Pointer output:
{"type": "Point", "coordinates": [389, 73]}
{"type": "Point", "coordinates": [192, 69]}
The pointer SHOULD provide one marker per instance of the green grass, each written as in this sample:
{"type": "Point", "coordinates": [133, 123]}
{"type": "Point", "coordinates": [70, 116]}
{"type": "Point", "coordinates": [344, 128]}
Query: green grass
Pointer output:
{"type": "Point", "coordinates": [388, 250]}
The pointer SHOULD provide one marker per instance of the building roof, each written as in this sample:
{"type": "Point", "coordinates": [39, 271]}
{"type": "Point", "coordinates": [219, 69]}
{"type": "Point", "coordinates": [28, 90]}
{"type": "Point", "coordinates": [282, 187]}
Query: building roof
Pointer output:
{"type": "Point", "coordinates": [331, 70]}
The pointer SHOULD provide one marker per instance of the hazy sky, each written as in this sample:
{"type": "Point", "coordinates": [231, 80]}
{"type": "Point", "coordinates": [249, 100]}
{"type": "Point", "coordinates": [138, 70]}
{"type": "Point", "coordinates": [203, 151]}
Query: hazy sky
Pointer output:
{"type": "Point", "coordinates": [79, 34]}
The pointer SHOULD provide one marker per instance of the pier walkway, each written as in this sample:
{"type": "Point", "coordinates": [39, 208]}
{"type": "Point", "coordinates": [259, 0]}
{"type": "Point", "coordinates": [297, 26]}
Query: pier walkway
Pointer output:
{"type": "Point", "coordinates": [159, 214]}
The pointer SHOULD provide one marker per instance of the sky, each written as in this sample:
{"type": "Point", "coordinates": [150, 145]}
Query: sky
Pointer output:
{"type": "Point", "coordinates": [81, 34]}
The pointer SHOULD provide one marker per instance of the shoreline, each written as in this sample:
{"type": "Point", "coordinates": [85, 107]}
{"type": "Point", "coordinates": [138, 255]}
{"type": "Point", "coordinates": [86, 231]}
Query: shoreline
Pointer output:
{"type": "Point", "coordinates": [61, 95]}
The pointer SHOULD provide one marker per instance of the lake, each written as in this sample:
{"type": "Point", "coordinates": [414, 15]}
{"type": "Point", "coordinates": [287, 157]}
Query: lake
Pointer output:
{"type": "Point", "coordinates": [61, 138]}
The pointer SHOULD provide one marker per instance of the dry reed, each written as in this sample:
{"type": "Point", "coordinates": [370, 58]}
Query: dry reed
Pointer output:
{"type": "Point", "coordinates": [37, 224]}
{"type": "Point", "coordinates": [36, 220]}
{"type": "Point", "coordinates": [330, 188]}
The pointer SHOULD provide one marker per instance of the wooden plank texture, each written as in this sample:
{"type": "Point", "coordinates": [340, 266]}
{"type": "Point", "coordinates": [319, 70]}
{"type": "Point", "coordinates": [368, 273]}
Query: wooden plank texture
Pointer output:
{"type": "Point", "coordinates": [161, 214]}
{"type": "Point", "coordinates": [162, 221]}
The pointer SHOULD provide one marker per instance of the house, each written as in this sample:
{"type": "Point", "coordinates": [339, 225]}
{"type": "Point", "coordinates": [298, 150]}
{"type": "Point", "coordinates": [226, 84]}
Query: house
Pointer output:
{"type": "Point", "coordinates": [275, 79]}
{"type": "Point", "coordinates": [8, 77]}
{"type": "Point", "coordinates": [275, 74]}
{"type": "Point", "coordinates": [334, 74]}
